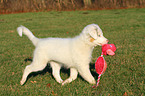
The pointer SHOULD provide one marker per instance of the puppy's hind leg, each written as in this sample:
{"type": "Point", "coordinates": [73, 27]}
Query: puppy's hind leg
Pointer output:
{"type": "Point", "coordinates": [38, 64]}
{"type": "Point", "coordinates": [56, 71]}
{"type": "Point", "coordinates": [73, 76]}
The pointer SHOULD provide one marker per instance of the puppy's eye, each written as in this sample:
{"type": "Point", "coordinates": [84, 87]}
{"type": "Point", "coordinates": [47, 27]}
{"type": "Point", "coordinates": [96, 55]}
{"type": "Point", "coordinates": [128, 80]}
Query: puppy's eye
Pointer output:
{"type": "Point", "coordinates": [99, 35]}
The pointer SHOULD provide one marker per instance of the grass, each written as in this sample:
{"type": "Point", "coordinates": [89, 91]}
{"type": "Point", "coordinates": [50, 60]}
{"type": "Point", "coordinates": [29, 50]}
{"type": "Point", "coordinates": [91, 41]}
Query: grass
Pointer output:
{"type": "Point", "coordinates": [124, 75]}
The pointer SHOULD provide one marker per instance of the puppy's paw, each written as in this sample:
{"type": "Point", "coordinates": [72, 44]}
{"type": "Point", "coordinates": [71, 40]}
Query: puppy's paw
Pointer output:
{"type": "Point", "coordinates": [93, 82]}
{"type": "Point", "coordinates": [59, 81]}
{"type": "Point", "coordinates": [22, 82]}
{"type": "Point", "coordinates": [66, 81]}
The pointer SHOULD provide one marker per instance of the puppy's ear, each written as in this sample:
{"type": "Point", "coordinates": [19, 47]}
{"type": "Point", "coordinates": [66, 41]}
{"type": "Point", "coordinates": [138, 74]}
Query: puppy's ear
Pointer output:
{"type": "Point", "coordinates": [93, 33]}
{"type": "Point", "coordinates": [92, 30]}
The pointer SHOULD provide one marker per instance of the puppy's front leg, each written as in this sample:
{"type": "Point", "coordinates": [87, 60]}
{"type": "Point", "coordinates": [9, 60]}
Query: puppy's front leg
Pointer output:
{"type": "Point", "coordinates": [86, 74]}
{"type": "Point", "coordinates": [56, 71]}
{"type": "Point", "coordinates": [73, 76]}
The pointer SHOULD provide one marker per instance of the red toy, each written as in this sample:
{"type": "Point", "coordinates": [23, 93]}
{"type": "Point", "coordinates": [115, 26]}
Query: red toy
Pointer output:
{"type": "Point", "coordinates": [108, 49]}
{"type": "Point", "coordinates": [100, 64]}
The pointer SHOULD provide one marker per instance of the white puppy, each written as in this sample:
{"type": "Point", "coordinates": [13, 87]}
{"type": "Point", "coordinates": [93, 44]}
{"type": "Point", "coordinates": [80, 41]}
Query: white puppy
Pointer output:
{"type": "Point", "coordinates": [74, 53]}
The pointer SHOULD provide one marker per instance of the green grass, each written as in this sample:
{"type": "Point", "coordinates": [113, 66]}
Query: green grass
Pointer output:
{"type": "Point", "coordinates": [125, 72]}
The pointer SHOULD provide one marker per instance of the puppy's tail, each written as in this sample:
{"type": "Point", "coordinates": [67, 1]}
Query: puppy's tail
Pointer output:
{"type": "Point", "coordinates": [28, 33]}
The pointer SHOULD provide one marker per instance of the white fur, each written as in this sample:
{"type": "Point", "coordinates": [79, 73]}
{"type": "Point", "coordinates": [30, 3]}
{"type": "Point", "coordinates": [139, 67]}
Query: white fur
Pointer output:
{"type": "Point", "coordinates": [74, 53]}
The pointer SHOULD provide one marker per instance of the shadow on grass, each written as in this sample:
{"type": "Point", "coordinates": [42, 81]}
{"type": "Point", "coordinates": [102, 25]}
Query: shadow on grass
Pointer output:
{"type": "Point", "coordinates": [63, 70]}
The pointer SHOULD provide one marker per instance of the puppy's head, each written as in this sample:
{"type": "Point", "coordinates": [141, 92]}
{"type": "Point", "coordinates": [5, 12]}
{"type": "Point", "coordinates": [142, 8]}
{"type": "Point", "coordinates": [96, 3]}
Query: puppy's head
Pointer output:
{"type": "Point", "coordinates": [93, 35]}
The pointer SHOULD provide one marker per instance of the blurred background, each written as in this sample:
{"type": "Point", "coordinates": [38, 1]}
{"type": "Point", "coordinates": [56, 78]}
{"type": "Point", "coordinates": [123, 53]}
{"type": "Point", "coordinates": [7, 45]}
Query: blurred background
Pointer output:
{"type": "Point", "coordinates": [15, 6]}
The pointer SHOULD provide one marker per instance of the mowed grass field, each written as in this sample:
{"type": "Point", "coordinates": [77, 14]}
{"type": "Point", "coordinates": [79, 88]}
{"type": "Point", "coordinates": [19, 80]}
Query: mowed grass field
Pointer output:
{"type": "Point", "coordinates": [125, 72]}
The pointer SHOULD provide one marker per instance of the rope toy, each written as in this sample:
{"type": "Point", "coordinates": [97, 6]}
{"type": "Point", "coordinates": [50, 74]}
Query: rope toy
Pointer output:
{"type": "Point", "coordinates": [100, 64]}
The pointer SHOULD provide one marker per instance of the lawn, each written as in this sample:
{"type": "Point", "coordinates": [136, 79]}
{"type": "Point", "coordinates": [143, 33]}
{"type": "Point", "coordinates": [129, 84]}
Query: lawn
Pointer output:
{"type": "Point", "coordinates": [125, 72]}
